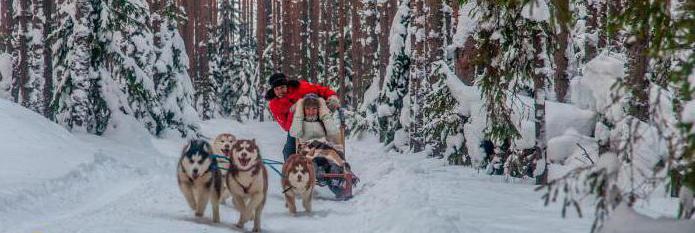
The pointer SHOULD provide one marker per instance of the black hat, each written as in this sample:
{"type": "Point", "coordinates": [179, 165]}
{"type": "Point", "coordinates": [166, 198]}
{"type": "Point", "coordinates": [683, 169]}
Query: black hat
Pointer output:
{"type": "Point", "coordinates": [276, 80]}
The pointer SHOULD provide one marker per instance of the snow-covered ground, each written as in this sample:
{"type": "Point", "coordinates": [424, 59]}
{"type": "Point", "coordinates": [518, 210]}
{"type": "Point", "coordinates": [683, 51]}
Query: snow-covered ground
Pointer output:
{"type": "Point", "coordinates": [54, 181]}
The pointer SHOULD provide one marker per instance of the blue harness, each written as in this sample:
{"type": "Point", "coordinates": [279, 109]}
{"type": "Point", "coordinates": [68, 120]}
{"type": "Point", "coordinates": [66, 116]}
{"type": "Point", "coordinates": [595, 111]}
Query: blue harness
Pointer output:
{"type": "Point", "coordinates": [269, 162]}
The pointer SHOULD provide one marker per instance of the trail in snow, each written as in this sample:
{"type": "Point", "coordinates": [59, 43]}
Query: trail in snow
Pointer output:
{"type": "Point", "coordinates": [130, 186]}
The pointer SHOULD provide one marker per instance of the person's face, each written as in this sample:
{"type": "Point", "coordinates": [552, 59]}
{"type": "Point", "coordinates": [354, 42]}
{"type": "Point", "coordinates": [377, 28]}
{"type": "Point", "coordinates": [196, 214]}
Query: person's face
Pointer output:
{"type": "Point", "coordinates": [311, 111]}
{"type": "Point", "coordinates": [280, 91]}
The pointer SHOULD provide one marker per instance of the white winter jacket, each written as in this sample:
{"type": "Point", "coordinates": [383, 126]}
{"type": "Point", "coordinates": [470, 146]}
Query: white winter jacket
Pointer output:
{"type": "Point", "coordinates": [325, 127]}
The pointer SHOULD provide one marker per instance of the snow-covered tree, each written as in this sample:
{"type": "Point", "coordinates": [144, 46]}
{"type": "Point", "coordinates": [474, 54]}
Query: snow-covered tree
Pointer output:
{"type": "Point", "coordinates": [30, 87]}
{"type": "Point", "coordinates": [514, 55]}
{"type": "Point", "coordinates": [389, 102]}
{"type": "Point", "coordinates": [78, 102]}
{"type": "Point", "coordinates": [444, 122]}
{"type": "Point", "coordinates": [649, 140]}
{"type": "Point", "coordinates": [174, 87]}
{"type": "Point", "coordinates": [126, 41]}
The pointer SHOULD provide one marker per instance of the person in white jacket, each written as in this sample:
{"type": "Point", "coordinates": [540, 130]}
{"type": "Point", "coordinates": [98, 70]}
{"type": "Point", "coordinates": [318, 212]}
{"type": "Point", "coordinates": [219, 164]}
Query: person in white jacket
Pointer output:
{"type": "Point", "coordinates": [313, 120]}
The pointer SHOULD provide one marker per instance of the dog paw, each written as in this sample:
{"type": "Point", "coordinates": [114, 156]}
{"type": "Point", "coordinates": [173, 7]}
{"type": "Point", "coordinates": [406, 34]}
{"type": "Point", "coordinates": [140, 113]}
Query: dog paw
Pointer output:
{"type": "Point", "coordinates": [256, 230]}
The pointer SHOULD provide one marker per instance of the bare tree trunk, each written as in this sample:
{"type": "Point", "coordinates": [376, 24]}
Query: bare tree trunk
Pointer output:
{"type": "Point", "coordinates": [205, 23]}
{"type": "Point", "coordinates": [314, 45]}
{"type": "Point", "coordinates": [417, 74]}
{"type": "Point", "coordinates": [296, 39]}
{"type": "Point", "coordinates": [561, 76]}
{"type": "Point", "coordinates": [386, 18]}
{"type": "Point", "coordinates": [356, 44]}
{"type": "Point", "coordinates": [370, 65]}
{"type": "Point", "coordinates": [465, 64]}
{"type": "Point", "coordinates": [286, 37]}
{"type": "Point", "coordinates": [5, 25]}
{"type": "Point", "coordinates": [435, 42]}
{"type": "Point", "coordinates": [187, 29]}
{"type": "Point", "coordinates": [637, 81]}
{"type": "Point", "coordinates": [596, 14]}
{"type": "Point", "coordinates": [326, 29]}
{"type": "Point", "coordinates": [249, 22]}
{"type": "Point", "coordinates": [327, 18]}
{"type": "Point", "coordinates": [304, 36]}
{"type": "Point", "coordinates": [243, 23]}
{"type": "Point", "coordinates": [539, 103]}
{"type": "Point", "coordinates": [260, 35]}
{"type": "Point", "coordinates": [341, 47]}
{"type": "Point", "coordinates": [277, 29]}
{"type": "Point", "coordinates": [47, 57]}
{"type": "Point", "coordinates": [20, 73]}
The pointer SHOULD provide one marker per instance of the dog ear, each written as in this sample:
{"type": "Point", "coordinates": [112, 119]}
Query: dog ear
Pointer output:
{"type": "Point", "coordinates": [187, 146]}
{"type": "Point", "coordinates": [207, 147]}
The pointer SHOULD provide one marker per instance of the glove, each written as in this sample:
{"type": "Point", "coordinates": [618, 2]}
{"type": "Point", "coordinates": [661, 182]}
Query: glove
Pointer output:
{"type": "Point", "coordinates": [333, 102]}
{"type": "Point", "coordinates": [323, 109]}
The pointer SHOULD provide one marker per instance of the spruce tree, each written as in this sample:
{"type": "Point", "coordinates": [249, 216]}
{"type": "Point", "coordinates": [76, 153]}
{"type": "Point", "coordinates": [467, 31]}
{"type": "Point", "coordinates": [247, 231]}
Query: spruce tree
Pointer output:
{"type": "Point", "coordinates": [78, 102]}
{"type": "Point", "coordinates": [396, 81]}
{"type": "Point", "coordinates": [174, 87]}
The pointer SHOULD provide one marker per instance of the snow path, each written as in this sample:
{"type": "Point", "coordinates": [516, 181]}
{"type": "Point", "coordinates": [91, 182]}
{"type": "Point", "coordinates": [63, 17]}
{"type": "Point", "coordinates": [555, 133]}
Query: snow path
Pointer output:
{"type": "Point", "coordinates": [131, 187]}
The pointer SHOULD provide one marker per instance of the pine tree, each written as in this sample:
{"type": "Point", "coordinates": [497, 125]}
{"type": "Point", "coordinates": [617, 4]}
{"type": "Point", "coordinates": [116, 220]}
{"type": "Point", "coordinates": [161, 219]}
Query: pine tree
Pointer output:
{"type": "Point", "coordinates": [207, 98]}
{"type": "Point", "coordinates": [444, 123]}
{"type": "Point", "coordinates": [226, 58]}
{"type": "Point", "coordinates": [626, 173]}
{"type": "Point", "coordinates": [128, 58]}
{"type": "Point", "coordinates": [174, 87]}
{"type": "Point", "coordinates": [396, 80]}
{"type": "Point", "coordinates": [514, 51]}
{"type": "Point", "coordinates": [78, 103]}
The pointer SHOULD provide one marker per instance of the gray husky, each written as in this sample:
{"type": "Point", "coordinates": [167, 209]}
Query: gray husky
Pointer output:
{"type": "Point", "coordinates": [199, 178]}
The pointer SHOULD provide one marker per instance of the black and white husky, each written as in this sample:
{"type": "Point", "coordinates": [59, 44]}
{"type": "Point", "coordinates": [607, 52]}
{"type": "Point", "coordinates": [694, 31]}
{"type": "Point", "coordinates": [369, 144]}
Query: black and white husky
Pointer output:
{"type": "Point", "coordinates": [199, 178]}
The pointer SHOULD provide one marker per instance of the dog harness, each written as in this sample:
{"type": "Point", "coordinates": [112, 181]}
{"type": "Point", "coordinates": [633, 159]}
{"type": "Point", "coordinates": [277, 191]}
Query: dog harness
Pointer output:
{"type": "Point", "coordinates": [245, 188]}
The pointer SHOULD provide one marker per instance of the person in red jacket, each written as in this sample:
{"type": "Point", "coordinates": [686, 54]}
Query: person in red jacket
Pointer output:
{"type": "Point", "coordinates": [284, 93]}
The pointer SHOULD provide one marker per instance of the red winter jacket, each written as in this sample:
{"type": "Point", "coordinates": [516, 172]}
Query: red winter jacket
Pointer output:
{"type": "Point", "coordinates": [280, 107]}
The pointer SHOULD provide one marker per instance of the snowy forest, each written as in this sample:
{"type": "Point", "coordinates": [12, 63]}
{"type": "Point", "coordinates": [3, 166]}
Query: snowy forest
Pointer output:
{"type": "Point", "coordinates": [589, 100]}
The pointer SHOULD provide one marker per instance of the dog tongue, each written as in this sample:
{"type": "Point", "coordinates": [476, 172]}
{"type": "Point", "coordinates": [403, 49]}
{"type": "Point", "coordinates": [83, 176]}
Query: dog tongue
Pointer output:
{"type": "Point", "coordinates": [244, 162]}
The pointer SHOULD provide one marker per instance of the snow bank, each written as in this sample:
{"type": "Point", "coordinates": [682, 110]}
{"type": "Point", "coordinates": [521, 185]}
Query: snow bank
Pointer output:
{"type": "Point", "coordinates": [688, 114]}
{"type": "Point", "coordinates": [609, 161]}
{"type": "Point", "coordinates": [568, 146]}
{"type": "Point", "coordinates": [599, 76]}
{"type": "Point", "coordinates": [625, 220]}
{"type": "Point", "coordinates": [560, 117]}
{"type": "Point", "coordinates": [34, 148]}
{"type": "Point", "coordinates": [522, 116]}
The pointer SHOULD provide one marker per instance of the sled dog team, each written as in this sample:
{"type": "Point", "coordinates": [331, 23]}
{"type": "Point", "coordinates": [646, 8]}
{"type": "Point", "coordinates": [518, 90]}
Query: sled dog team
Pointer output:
{"type": "Point", "coordinates": [212, 172]}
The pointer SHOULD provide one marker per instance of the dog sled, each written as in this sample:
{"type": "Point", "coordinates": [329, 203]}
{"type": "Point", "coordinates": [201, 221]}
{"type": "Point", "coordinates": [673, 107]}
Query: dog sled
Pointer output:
{"type": "Point", "coordinates": [331, 167]}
